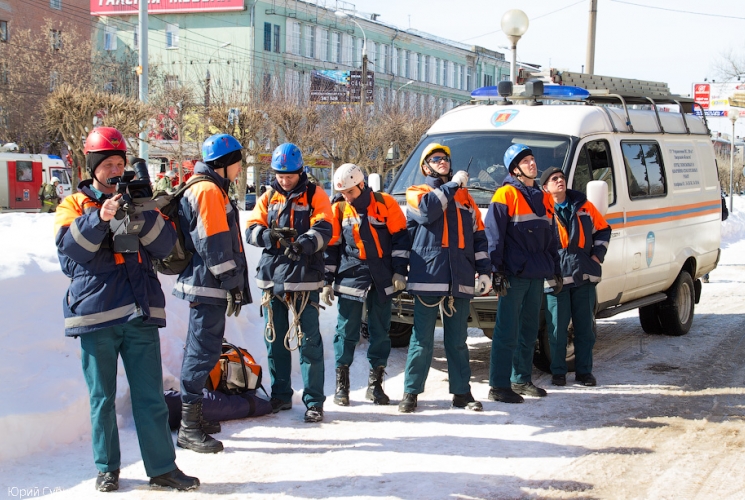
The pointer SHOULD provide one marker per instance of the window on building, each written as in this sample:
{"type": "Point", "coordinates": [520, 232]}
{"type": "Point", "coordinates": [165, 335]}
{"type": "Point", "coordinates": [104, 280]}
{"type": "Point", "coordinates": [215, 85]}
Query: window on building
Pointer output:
{"type": "Point", "coordinates": [55, 4]}
{"type": "Point", "coordinates": [385, 65]}
{"type": "Point", "coordinates": [55, 38]}
{"type": "Point", "coordinates": [324, 41]}
{"type": "Point", "coordinates": [3, 31]}
{"type": "Point", "coordinates": [644, 169]}
{"type": "Point", "coordinates": [109, 38]}
{"type": "Point", "coordinates": [488, 80]}
{"type": "Point", "coordinates": [444, 73]}
{"type": "Point", "coordinates": [276, 38]}
{"type": "Point", "coordinates": [310, 41]}
{"type": "Point", "coordinates": [469, 78]}
{"type": "Point", "coordinates": [405, 63]}
{"type": "Point", "coordinates": [394, 60]}
{"type": "Point", "coordinates": [137, 38]}
{"type": "Point", "coordinates": [425, 76]}
{"type": "Point", "coordinates": [335, 47]}
{"type": "Point", "coordinates": [171, 82]}
{"type": "Point", "coordinates": [267, 87]}
{"type": "Point", "coordinates": [171, 36]}
{"type": "Point", "coordinates": [296, 35]}
{"type": "Point", "coordinates": [372, 56]}
{"type": "Point", "coordinates": [268, 37]}
{"type": "Point", "coordinates": [414, 66]}
{"type": "Point", "coordinates": [53, 80]}
{"type": "Point", "coordinates": [457, 80]}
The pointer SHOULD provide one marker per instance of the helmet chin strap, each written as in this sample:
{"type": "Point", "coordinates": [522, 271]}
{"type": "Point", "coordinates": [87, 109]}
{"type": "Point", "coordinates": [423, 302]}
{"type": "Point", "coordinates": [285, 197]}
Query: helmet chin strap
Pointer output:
{"type": "Point", "coordinates": [434, 174]}
{"type": "Point", "coordinates": [523, 174]}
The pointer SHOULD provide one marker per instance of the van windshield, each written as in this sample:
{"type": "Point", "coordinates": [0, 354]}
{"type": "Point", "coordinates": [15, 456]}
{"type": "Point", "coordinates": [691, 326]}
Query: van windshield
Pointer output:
{"type": "Point", "coordinates": [485, 152]}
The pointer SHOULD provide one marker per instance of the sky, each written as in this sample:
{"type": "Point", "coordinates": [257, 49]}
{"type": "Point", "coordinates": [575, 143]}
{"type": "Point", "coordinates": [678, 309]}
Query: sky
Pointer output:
{"type": "Point", "coordinates": [677, 42]}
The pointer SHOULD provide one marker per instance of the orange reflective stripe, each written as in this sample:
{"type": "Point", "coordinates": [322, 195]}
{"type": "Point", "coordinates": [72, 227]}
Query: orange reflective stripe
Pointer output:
{"type": "Point", "coordinates": [320, 206]}
{"type": "Point", "coordinates": [509, 196]}
{"type": "Point", "coordinates": [211, 201]}
{"type": "Point", "coordinates": [118, 258]}
{"type": "Point", "coordinates": [581, 241]}
{"type": "Point", "coordinates": [396, 220]}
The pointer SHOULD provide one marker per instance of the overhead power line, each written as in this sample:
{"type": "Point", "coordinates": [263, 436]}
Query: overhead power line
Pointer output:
{"type": "Point", "coordinates": [678, 10]}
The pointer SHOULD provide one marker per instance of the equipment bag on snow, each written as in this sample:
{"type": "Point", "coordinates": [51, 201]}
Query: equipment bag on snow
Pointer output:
{"type": "Point", "coordinates": [236, 371]}
{"type": "Point", "coordinates": [179, 258]}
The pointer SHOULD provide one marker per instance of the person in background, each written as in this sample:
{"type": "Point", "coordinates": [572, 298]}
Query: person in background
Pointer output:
{"type": "Point", "coordinates": [115, 305]}
{"type": "Point", "coordinates": [165, 183]}
{"type": "Point", "coordinates": [583, 236]}
{"type": "Point", "coordinates": [366, 265]}
{"type": "Point", "coordinates": [49, 196]}
{"type": "Point", "coordinates": [292, 223]}
{"type": "Point", "coordinates": [523, 253]}
{"type": "Point", "coordinates": [215, 282]}
{"type": "Point", "coordinates": [448, 249]}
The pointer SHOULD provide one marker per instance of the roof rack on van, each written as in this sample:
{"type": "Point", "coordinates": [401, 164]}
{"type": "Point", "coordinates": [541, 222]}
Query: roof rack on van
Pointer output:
{"type": "Point", "coordinates": [610, 90]}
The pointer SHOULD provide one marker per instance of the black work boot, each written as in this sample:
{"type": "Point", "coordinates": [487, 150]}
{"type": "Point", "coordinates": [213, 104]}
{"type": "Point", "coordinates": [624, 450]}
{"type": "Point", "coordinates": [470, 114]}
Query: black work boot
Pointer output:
{"type": "Point", "coordinates": [175, 479]}
{"type": "Point", "coordinates": [108, 481]}
{"type": "Point", "coordinates": [529, 389]}
{"type": "Point", "coordinates": [313, 414]}
{"type": "Point", "coordinates": [408, 403]}
{"type": "Point", "coordinates": [504, 395]}
{"type": "Point", "coordinates": [191, 435]}
{"type": "Point", "coordinates": [210, 427]}
{"type": "Point", "coordinates": [375, 388]}
{"type": "Point", "coordinates": [342, 385]}
{"type": "Point", "coordinates": [466, 401]}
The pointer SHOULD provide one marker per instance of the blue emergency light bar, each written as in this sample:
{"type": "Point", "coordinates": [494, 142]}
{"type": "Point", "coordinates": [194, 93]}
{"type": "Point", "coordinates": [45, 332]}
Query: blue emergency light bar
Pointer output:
{"type": "Point", "coordinates": [549, 91]}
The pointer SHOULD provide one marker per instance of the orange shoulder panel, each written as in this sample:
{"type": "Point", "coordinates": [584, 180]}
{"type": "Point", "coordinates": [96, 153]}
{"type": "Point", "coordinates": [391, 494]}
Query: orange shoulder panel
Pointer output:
{"type": "Point", "coordinates": [211, 201]}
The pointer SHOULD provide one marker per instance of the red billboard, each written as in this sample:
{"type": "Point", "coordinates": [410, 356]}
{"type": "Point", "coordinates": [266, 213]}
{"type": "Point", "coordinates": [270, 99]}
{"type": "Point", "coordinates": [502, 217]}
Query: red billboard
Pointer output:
{"type": "Point", "coordinates": [131, 7]}
{"type": "Point", "coordinates": [702, 94]}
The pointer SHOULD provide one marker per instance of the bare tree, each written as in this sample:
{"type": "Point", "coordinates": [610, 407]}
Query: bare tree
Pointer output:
{"type": "Point", "coordinates": [69, 112]}
{"type": "Point", "coordinates": [40, 64]}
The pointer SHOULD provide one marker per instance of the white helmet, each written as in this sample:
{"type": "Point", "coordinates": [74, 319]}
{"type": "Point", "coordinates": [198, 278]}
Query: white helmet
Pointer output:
{"type": "Point", "coordinates": [347, 176]}
{"type": "Point", "coordinates": [53, 180]}
{"type": "Point", "coordinates": [170, 174]}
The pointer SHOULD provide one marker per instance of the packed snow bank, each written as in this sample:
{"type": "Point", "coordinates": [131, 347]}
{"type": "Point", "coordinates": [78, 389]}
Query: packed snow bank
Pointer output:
{"type": "Point", "coordinates": [45, 401]}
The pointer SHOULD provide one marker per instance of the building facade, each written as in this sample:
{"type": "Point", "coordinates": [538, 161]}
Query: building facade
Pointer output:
{"type": "Point", "coordinates": [279, 44]}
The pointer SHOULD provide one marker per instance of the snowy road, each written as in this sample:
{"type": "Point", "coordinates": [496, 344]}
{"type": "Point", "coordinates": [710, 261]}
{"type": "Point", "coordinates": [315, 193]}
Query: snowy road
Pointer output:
{"type": "Point", "coordinates": [666, 422]}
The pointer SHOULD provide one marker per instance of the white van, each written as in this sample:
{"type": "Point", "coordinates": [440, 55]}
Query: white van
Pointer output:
{"type": "Point", "coordinates": [656, 168]}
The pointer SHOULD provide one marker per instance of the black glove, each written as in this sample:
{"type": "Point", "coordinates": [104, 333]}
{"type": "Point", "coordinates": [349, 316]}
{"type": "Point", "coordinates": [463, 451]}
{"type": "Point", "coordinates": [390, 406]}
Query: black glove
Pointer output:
{"type": "Point", "coordinates": [294, 251]}
{"type": "Point", "coordinates": [559, 279]}
{"type": "Point", "coordinates": [235, 301]}
{"type": "Point", "coordinates": [281, 234]}
{"type": "Point", "coordinates": [499, 284]}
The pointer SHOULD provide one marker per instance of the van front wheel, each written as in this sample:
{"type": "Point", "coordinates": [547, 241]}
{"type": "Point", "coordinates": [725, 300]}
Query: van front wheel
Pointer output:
{"type": "Point", "coordinates": [676, 313]}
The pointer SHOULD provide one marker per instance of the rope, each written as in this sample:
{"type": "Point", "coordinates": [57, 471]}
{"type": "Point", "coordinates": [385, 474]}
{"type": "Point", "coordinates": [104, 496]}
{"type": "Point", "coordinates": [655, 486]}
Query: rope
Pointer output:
{"type": "Point", "coordinates": [295, 331]}
{"type": "Point", "coordinates": [441, 304]}
{"type": "Point", "coordinates": [266, 301]}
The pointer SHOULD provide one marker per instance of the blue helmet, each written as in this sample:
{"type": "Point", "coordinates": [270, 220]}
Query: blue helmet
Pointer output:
{"type": "Point", "coordinates": [514, 154]}
{"type": "Point", "coordinates": [218, 146]}
{"type": "Point", "coordinates": [287, 159]}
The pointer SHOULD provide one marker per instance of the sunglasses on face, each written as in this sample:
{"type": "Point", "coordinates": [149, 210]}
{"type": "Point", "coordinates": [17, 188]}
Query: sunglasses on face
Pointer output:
{"type": "Point", "coordinates": [438, 159]}
{"type": "Point", "coordinates": [556, 178]}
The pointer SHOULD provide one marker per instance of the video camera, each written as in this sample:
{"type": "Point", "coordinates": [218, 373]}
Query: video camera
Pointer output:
{"type": "Point", "coordinates": [137, 197]}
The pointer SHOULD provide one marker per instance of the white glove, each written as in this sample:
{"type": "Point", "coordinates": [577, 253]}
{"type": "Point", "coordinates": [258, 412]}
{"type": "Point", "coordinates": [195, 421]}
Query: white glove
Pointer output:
{"type": "Point", "coordinates": [461, 178]}
{"type": "Point", "coordinates": [483, 284]}
{"type": "Point", "coordinates": [399, 282]}
{"type": "Point", "coordinates": [327, 295]}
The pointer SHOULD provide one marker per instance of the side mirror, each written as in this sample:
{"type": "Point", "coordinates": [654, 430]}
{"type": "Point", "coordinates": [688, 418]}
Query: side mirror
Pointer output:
{"type": "Point", "coordinates": [597, 194]}
{"type": "Point", "coordinates": [374, 181]}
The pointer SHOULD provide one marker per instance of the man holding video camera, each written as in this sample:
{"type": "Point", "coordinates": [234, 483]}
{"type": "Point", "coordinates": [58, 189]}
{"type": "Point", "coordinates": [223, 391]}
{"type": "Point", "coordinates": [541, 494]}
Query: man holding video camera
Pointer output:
{"type": "Point", "coordinates": [115, 305]}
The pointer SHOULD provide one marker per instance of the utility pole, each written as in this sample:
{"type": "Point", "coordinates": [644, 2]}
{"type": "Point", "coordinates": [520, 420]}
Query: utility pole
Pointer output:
{"type": "Point", "coordinates": [363, 79]}
{"type": "Point", "coordinates": [590, 57]}
{"type": "Point", "coordinates": [143, 153]}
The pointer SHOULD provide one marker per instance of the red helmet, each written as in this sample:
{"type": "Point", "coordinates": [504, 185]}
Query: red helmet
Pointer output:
{"type": "Point", "coordinates": [105, 139]}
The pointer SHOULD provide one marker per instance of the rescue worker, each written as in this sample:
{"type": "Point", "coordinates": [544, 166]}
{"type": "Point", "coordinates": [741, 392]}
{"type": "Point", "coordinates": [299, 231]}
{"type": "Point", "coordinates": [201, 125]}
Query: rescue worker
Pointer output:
{"type": "Point", "coordinates": [115, 305]}
{"type": "Point", "coordinates": [523, 253]}
{"type": "Point", "coordinates": [165, 183]}
{"type": "Point", "coordinates": [583, 237]}
{"type": "Point", "coordinates": [49, 196]}
{"type": "Point", "coordinates": [215, 282]}
{"type": "Point", "coordinates": [366, 265]}
{"type": "Point", "coordinates": [292, 223]}
{"type": "Point", "coordinates": [448, 249]}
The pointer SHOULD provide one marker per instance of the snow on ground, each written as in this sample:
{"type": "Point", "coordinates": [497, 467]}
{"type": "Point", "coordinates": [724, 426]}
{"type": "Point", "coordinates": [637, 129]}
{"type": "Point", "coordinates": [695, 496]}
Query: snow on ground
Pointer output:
{"type": "Point", "coordinates": [651, 429]}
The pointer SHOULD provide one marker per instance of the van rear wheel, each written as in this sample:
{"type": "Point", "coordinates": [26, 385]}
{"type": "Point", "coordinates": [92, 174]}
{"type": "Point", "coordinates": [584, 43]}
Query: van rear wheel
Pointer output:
{"type": "Point", "coordinates": [650, 319]}
{"type": "Point", "coordinates": [400, 334]}
{"type": "Point", "coordinates": [676, 313]}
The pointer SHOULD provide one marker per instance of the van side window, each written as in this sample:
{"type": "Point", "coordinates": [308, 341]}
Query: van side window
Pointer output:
{"type": "Point", "coordinates": [644, 169]}
{"type": "Point", "coordinates": [24, 171]}
{"type": "Point", "coordinates": [594, 163]}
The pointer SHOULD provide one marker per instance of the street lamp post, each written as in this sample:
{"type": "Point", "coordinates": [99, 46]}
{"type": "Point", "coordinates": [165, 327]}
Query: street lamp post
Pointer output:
{"type": "Point", "coordinates": [363, 77]}
{"type": "Point", "coordinates": [514, 24]}
{"type": "Point", "coordinates": [733, 115]}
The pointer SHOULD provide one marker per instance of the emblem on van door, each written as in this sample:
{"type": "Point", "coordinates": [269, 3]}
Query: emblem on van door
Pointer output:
{"type": "Point", "coordinates": [650, 248]}
{"type": "Point", "coordinates": [503, 116]}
